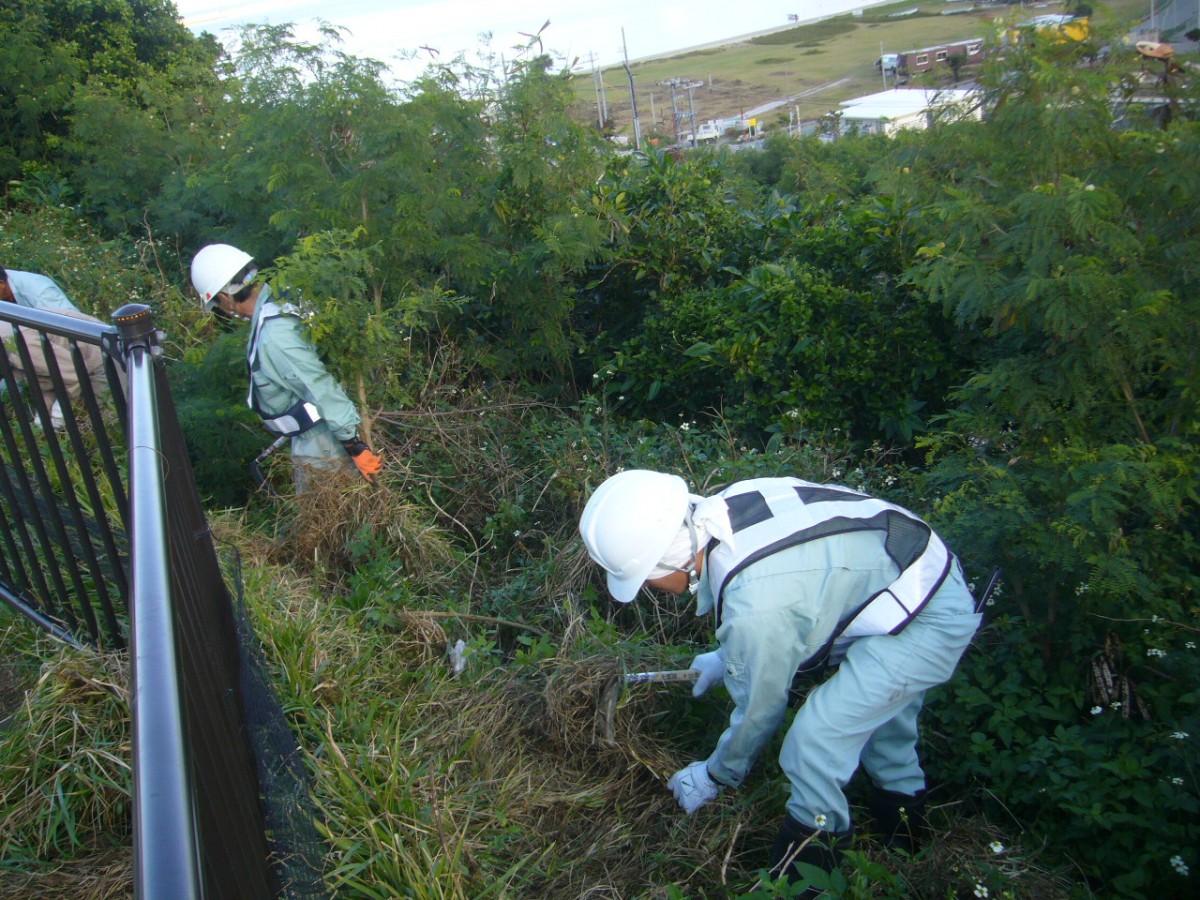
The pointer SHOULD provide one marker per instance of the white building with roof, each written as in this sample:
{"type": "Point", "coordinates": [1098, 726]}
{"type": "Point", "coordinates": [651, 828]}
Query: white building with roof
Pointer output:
{"type": "Point", "coordinates": [886, 112]}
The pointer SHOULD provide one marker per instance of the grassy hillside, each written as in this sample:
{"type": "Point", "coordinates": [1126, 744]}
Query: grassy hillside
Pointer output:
{"type": "Point", "coordinates": [813, 66]}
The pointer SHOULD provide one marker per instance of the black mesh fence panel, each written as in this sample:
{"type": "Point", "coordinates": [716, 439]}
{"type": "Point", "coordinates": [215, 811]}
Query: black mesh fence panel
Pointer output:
{"type": "Point", "coordinates": [65, 548]}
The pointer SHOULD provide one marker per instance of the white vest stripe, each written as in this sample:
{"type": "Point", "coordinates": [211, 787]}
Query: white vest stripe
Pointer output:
{"type": "Point", "coordinates": [768, 515]}
{"type": "Point", "coordinates": [302, 415]}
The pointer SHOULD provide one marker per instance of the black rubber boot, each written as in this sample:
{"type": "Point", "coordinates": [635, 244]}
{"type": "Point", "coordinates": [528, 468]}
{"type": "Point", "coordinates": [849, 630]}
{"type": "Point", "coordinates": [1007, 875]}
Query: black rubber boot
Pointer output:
{"type": "Point", "coordinates": [797, 843]}
{"type": "Point", "coordinates": [900, 820]}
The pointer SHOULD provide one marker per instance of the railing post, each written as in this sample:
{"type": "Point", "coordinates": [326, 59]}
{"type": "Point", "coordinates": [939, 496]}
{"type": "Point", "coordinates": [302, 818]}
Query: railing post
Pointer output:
{"type": "Point", "coordinates": [165, 839]}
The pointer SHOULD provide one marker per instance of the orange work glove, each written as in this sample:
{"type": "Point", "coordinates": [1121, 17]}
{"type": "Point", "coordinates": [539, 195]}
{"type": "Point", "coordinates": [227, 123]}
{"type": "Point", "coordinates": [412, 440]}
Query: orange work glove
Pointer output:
{"type": "Point", "coordinates": [368, 462]}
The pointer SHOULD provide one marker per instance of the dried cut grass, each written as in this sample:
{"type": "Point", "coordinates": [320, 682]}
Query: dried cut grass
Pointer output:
{"type": "Point", "coordinates": [65, 781]}
{"type": "Point", "coordinates": [605, 807]}
{"type": "Point", "coordinates": [575, 717]}
{"type": "Point", "coordinates": [104, 875]}
{"type": "Point", "coordinates": [495, 782]}
{"type": "Point", "coordinates": [337, 511]}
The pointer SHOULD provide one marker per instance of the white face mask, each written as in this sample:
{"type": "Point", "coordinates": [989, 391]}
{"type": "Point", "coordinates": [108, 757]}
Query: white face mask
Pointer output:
{"type": "Point", "coordinates": [681, 555]}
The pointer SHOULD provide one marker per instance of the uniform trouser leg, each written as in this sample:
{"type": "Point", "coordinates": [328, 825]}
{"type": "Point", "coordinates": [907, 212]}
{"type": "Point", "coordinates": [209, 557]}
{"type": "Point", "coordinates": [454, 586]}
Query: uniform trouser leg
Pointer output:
{"type": "Point", "coordinates": [890, 754]}
{"type": "Point", "coordinates": [882, 678]}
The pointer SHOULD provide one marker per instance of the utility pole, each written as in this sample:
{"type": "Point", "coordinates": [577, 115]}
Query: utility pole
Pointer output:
{"type": "Point", "coordinates": [676, 114]}
{"type": "Point", "coordinates": [598, 84]}
{"type": "Point", "coordinates": [674, 109]}
{"type": "Point", "coordinates": [637, 127]}
{"type": "Point", "coordinates": [692, 106]}
{"type": "Point", "coordinates": [882, 66]}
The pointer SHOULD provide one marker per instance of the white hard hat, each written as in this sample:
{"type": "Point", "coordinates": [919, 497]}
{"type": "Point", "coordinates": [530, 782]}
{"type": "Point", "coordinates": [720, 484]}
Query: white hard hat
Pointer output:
{"type": "Point", "coordinates": [629, 522]}
{"type": "Point", "coordinates": [213, 268]}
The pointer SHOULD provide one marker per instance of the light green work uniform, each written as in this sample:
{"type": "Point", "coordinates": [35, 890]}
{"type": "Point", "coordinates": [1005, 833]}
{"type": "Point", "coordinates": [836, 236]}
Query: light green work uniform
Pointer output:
{"type": "Point", "coordinates": [38, 291]}
{"type": "Point", "coordinates": [288, 370]}
{"type": "Point", "coordinates": [780, 611]}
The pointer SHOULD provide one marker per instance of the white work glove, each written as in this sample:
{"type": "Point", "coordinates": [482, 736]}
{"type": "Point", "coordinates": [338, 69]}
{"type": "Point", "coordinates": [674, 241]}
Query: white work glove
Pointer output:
{"type": "Point", "coordinates": [712, 671]}
{"type": "Point", "coordinates": [693, 787]}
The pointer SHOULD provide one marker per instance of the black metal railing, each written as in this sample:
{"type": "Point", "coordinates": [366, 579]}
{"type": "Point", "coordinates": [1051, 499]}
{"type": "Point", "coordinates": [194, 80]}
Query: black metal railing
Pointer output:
{"type": "Point", "coordinates": [62, 539]}
{"type": "Point", "coordinates": [112, 562]}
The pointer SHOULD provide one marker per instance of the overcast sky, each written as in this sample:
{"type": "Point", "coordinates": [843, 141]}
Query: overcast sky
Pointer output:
{"type": "Point", "coordinates": [577, 31]}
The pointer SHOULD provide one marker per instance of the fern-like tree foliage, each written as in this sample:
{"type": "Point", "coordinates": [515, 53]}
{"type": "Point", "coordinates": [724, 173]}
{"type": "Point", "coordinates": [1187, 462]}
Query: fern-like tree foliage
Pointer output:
{"type": "Point", "coordinates": [1065, 229]}
{"type": "Point", "coordinates": [1063, 232]}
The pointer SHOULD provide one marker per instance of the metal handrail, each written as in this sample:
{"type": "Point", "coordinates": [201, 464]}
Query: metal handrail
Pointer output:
{"type": "Point", "coordinates": [165, 840]}
{"type": "Point", "coordinates": [199, 827]}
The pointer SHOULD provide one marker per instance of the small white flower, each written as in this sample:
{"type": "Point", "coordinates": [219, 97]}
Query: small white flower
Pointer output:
{"type": "Point", "coordinates": [1096, 710]}
{"type": "Point", "coordinates": [1180, 735]}
{"type": "Point", "coordinates": [1179, 865]}
{"type": "Point", "coordinates": [820, 820]}
{"type": "Point", "coordinates": [1177, 781]}
{"type": "Point", "coordinates": [996, 847]}
{"type": "Point", "coordinates": [685, 426]}
{"type": "Point", "coordinates": [517, 533]}
{"type": "Point", "coordinates": [1191, 645]}
{"type": "Point", "coordinates": [1154, 651]}
{"type": "Point", "coordinates": [980, 891]}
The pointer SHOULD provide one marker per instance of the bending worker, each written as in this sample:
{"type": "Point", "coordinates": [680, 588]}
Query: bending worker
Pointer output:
{"type": "Point", "coordinates": [33, 290]}
{"type": "Point", "coordinates": [290, 388]}
{"type": "Point", "coordinates": [799, 575]}
{"type": "Point", "coordinates": [41, 292]}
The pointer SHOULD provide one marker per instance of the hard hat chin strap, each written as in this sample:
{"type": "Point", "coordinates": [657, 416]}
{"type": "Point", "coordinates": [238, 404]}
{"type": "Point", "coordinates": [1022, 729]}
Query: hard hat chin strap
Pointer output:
{"type": "Point", "coordinates": [693, 571]}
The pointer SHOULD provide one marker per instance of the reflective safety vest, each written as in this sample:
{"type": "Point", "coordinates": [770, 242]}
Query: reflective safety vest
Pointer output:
{"type": "Point", "coordinates": [768, 515]}
{"type": "Point", "coordinates": [302, 415]}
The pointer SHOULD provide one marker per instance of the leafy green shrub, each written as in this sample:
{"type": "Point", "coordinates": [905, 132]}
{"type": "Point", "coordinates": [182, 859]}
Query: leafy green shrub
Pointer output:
{"type": "Point", "coordinates": [100, 275]}
{"type": "Point", "coordinates": [222, 434]}
{"type": "Point", "coordinates": [1117, 791]}
{"type": "Point", "coordinates": [785, 340]}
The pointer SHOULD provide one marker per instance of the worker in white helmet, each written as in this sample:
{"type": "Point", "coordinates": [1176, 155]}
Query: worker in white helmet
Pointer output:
{"type": "Point", "coordinates": [290, 388]}
{"type": "Point", "coordinates": [799, 577]}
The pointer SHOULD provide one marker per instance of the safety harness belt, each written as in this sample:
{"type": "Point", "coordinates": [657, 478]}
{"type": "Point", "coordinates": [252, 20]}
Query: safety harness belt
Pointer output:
{"type": "Point", "coordinates": [302, 415]}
